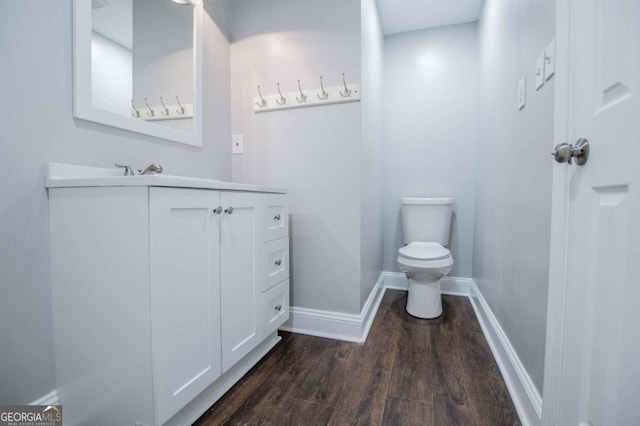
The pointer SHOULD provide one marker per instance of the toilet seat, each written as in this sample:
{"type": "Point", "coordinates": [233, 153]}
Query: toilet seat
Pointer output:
{"type": "Point", "coordinates": [424, 251]}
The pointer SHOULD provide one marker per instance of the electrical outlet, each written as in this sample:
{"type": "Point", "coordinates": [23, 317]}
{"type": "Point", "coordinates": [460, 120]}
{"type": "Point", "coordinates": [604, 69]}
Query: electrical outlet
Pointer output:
{"type": "Point", "coordinates": [522, 92]}
{"type": "Point", "coordinates": [550, 60]}
{"type": "Point", "coordinates": [540, 71]}
{"type": "Point", "coordinates": [237, 145]}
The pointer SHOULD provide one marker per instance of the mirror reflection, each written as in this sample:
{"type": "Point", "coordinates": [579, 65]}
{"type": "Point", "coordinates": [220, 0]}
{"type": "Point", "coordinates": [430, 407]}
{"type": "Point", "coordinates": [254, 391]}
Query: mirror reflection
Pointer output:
{"type": "Point", "coordinates": [142, 60]}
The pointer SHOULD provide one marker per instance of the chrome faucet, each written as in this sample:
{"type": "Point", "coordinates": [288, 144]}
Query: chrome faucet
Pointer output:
{"type": "Point", "coordinates": [152, 169]}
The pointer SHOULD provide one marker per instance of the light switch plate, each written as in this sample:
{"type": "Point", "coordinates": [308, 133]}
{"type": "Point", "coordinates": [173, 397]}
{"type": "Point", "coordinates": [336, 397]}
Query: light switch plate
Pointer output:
{"type": "Point", "coordinates": [522, 92]}
{"type": "Point", "coordinates": [550, 60]}
{"type": "Point", "coordinates": [236, 142]}
{"type": "Point", "coordinates": [540, 71]}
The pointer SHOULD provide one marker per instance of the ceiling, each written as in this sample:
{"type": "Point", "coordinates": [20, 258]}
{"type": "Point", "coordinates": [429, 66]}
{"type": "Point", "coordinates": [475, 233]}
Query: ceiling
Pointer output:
{"type": "Point", "coordinates": [408, 15]}
{"type": "Point", "coordinates": [114, 20]}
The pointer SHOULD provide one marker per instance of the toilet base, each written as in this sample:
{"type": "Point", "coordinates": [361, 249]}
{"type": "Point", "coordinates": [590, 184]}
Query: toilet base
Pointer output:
{"type": "Point", "coordinates": [424, 299]}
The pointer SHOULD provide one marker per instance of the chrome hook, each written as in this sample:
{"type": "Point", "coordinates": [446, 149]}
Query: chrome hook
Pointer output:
{"type": "Point", "coordinates": [324, 95]}
{"type": "Point", "coordinates": [282, 99]}
{"type": "Point", "coordinates": [166, 110]}
{"type": "Point", "coordinates": [303, 98]}
{"type": "Point", "coordinates": [150, 109]}
{"type": "Point", "coordinates": [262, 102]}
{"type": "Point", "coordinates": [136, 113]}
{"type": "Point", "coordinates": [181, 110]}
{"type": "Point", "coordinates": [347, 92]}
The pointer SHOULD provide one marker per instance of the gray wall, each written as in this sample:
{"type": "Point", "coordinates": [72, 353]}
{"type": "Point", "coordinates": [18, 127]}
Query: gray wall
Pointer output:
{"type": "Point", "coordinates": [37, 127]}
{"type": "Point", "coordinates": [315, 152]}
{"type": "Point", "coordinates": [430, 125]}
{"type": "Point", "coordinates": [163, 56]}
{"type": "Point", "coordinates": [371, 157]}
{"type": "Point", "coordinates": [511, 248]}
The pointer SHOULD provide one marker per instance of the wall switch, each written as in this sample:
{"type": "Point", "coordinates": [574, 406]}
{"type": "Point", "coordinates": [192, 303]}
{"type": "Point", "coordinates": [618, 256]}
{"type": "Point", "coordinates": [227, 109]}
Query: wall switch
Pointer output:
{"type": "Point", "coordinates": [540, 71]}
{"type": "Point", "coordinates": [522, 92]}
{"type": "Point", "coordinates": [236, 142]}
{"type": "Point", "coordinates": [550, 60]}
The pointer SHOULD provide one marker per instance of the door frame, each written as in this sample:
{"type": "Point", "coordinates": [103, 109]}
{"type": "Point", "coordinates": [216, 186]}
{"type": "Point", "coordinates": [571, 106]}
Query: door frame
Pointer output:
{"type": "Point", "coordinates": [560, 210]}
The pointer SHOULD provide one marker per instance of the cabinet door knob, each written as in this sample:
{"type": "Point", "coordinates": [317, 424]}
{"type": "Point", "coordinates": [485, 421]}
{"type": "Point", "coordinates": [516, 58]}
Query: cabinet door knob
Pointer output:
{"type": "Point", "coordinates": [277, 217]}
{"type": "Point", "coordinates": [218, 210]}
{"type": "Point", "coordinates": [278, 307]}
{"type": "Point", "coordinates": [278, 262]}
{"type": "Point", "coordinates": [229, 210]}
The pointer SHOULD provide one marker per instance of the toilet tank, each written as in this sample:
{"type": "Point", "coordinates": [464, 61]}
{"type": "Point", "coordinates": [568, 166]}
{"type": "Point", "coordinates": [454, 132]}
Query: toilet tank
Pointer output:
{"type": "Point", "coordinates": [426, 219]}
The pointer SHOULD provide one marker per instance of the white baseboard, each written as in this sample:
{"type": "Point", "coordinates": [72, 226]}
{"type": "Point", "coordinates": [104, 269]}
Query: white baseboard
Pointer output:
{"type": "Point", "coordinates": [524, 393]}
{"type": "Point", "coordinates": [49, 399]}
{"type": "Point", "coordinates": [456, 286]}
{"type": "Point", "coordinates": [337, 325]}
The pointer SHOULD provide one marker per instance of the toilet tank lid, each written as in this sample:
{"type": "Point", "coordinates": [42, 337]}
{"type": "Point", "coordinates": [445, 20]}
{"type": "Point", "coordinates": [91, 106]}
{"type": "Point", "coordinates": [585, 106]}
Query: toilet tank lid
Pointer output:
{"type": "Point", "coordinates": [440, 201]}
{"type": "Point", "coordinates": [424, 251]}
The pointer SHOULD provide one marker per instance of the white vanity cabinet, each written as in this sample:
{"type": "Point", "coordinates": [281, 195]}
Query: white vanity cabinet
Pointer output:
{"type": "Point", "coordinates": [160, 300]}
{"type": "Point", "coordinates": [205, 288]}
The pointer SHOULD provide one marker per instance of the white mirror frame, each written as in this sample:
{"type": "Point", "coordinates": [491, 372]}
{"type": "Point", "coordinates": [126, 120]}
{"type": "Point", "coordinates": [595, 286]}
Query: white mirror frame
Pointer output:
{"type": "Point", "coordinates": [82, 103]}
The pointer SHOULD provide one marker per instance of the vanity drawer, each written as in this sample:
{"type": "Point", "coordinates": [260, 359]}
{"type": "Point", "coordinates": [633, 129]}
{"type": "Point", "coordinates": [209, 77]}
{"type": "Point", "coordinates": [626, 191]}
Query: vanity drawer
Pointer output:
{"type": "Point", "coordinates": [275, 307]}
{"type": "Point", "coordinates": [276, 220]}
{"type": "Point", "coordinates": [275, 262]}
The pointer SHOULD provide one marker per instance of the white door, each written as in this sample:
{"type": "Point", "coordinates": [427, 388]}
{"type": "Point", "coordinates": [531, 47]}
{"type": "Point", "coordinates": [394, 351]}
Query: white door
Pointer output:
{"type": "Point", "coordinates": [240, 237]}
{"type": "Point", "coordinates": [185, 295]}
{"type": "Point", "coordinates": [592, 373]}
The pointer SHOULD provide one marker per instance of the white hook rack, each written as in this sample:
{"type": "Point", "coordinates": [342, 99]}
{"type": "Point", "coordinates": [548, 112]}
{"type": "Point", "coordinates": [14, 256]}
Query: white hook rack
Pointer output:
{"type": "Point", "coordinates": [161, 111]}
{"type": "Point", "coordinates": [302, 98]}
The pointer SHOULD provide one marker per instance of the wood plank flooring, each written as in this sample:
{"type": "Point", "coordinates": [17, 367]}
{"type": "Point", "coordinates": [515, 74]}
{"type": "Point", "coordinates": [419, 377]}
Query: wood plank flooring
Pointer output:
{"type": "Point", "coordinates": [409, 372]}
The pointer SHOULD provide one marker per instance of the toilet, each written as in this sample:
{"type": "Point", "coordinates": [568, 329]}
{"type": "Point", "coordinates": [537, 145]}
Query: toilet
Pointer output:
{"type": "Point", "coordinates": [425, 259]}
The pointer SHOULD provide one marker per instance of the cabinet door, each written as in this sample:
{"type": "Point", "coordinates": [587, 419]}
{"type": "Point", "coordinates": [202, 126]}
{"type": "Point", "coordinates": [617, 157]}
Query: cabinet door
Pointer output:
{"type": "Point", "coordinates": [185, 295]}
{"type": "Point", "coordinates": [240, 239]}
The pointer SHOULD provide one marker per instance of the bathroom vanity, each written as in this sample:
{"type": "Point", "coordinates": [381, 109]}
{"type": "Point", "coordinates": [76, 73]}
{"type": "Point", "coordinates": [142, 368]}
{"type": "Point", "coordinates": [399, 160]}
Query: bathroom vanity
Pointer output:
{"type": "Point", "coordinates": [166, 291]}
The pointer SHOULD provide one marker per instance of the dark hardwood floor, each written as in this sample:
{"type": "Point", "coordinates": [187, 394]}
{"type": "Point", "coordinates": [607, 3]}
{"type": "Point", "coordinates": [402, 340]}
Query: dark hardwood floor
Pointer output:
{"type": "Point", "coordinates": [409, 372]}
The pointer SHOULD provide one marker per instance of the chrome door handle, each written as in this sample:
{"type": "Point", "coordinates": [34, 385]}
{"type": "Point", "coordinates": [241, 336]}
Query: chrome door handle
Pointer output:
{"type": "Point", "coordinates": [564, 153]}
{"type": "Point", "coordinates": [218, 210]}
{"type": "Point", "coordinates": [229, 210]}
{"type": "Point", "coordinates": [277, 217]}
{"type": "Point", "coordinates": [278, 307]}
{"type": "Point", "coordinates": [278, 262]}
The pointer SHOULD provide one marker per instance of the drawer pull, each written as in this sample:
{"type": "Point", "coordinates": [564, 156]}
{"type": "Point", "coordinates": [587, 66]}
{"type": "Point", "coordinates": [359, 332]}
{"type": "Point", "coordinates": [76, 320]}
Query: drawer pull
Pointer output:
{"type": "Point", "coordinates": [229, 210]}
{"type": "Point", "coordinates": [277, 217]}
{"type": "Point", "coordinates": [278, 262]}
{"type": "Point", "coordinates": [218, 210]}
{"type": "Point", "coordinates": [278, 308]}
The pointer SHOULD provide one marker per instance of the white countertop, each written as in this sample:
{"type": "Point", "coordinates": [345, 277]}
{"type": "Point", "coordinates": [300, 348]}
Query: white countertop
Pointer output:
{"type": "Point", "coordinates": [58, 175]}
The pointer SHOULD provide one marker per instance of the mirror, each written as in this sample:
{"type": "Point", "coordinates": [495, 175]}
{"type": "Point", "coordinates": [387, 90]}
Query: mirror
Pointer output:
{"type": "Point", "coordinates": [138, 66]}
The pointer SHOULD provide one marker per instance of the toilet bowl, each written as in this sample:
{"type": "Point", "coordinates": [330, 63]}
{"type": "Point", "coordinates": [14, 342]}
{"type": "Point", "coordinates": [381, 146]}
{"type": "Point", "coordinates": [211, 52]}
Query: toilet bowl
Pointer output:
{"type": "Point", "coordinates": [424, 263]}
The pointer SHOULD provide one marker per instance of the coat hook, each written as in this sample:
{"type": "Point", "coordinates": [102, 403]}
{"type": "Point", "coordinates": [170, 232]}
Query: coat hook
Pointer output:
{"type": "Point", "coordinates": [347, 92]}
{"type": "Point", "coordinates": [136, 113]}
{"type": "Point", "coordinates": [181, 110]}
{"type": "Point", "coordinates": [324, 95]}
{"type": "Point", "coordinates": [282, 99]}
{"type": "Point", "coordinates": [151, 113]}
{"type": "Point", "coordinates": [166, 110]}
{"type": "Point", "coordinates": [303, 98]}
{"type": "Point", "coordinates": [262, 102]}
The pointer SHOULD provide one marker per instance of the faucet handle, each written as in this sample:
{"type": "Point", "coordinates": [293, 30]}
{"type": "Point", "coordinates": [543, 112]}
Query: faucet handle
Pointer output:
{"type": "Point", "coordinates": [128, 170]}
